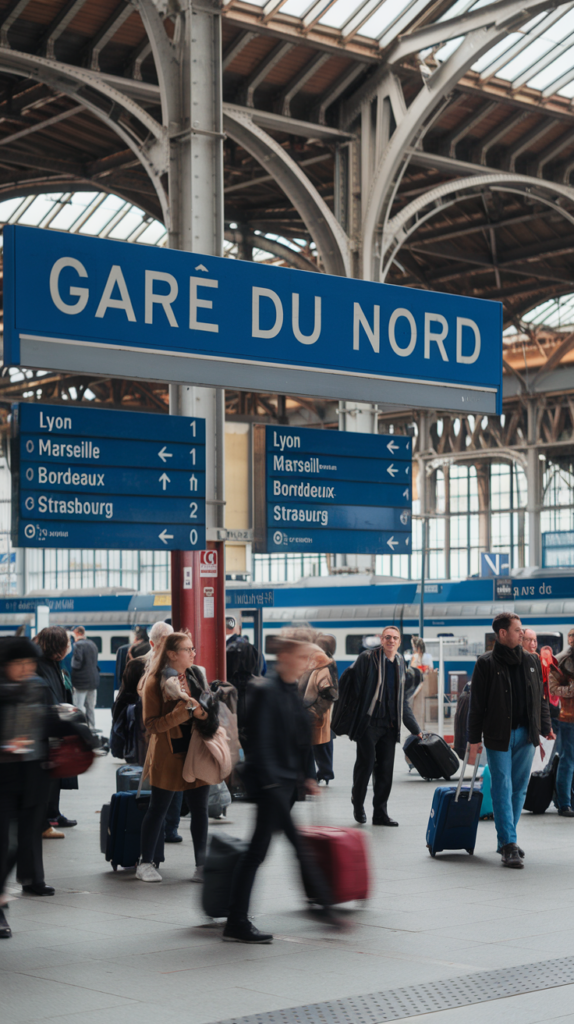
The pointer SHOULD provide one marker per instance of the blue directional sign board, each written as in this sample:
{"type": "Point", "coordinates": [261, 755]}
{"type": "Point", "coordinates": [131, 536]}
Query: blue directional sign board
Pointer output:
{"type": "Point", "coordinates": [328, 490]}
{"type": "Point", "coordinates": [91, 478]}
{"type": "Point", "coordinates": [180, 316]}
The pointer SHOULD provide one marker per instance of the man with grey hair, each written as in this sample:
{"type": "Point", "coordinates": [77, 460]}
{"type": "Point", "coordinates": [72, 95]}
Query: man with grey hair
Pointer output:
{"type": "Point", "coordinates": [157, 633]}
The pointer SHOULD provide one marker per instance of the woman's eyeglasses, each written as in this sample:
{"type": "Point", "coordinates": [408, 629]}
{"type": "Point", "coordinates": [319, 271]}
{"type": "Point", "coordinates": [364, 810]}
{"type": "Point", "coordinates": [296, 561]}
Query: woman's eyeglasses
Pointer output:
{"type": "Point", "coordinates": [187, 650]}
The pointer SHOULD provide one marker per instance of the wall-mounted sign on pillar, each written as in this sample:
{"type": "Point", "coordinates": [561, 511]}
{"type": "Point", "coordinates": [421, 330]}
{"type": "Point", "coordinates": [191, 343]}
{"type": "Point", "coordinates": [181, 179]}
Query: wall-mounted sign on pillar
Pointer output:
{"type": "Point", "coordinates": [328, 490]}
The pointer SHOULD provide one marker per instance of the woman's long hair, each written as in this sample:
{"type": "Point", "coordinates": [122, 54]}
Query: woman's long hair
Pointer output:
{"type": "Point", "coordinates": [159, 658]}
{"type": "Point", "coordinates": [54, 642]}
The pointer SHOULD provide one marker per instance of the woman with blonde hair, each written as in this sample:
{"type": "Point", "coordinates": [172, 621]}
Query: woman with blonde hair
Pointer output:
{"type": "Point", "coordinates": [170, 702]}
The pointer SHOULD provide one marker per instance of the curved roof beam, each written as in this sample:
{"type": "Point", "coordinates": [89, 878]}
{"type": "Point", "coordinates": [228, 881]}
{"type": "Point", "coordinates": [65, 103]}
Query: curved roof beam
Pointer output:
{"type": "Point", "coordinates": [327, 233]}
{"type": "Point", "coordinates": [398, 230]}
{"type": "Point", "coordinates": [510, 14]}
{"type": "Point", "coordinates": [75, 82]}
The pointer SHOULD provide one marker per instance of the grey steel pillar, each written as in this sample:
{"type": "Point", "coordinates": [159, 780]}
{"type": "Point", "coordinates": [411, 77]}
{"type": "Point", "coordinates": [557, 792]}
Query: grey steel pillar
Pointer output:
{"type": "Point", "coordinates": [533, 483]}
{"type": "Point", "coordinates": [196, 206]}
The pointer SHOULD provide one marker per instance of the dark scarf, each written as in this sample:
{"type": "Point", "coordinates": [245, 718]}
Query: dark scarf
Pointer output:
{"type": "Point", "coordinates": [508, 655]}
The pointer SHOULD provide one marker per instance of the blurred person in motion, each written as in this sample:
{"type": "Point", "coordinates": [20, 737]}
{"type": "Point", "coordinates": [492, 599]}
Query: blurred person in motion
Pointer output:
{"type": "Point", "coordinates": [55, 645]}
{"type": "Point", "coordinates": [276, 766]}
{"type": "Point", "coordinates": [376, 702]}
{"type": "Point", "coordinates": [546, 659]}
{"type": "Point", "coordinates": [25, 720]}
{"type": "Point", "coordinates": [170, 703]}
{"type": "Point", "coordinates": [85, 674]}
{"type": "Point", "coordinates": [420, 659]}
{"type": "Point", "coordinates": [561, 685]}
{"type": "Point", "coordinates": [319, 689]}
{"type": "Point", "coordinates": [509, 713]}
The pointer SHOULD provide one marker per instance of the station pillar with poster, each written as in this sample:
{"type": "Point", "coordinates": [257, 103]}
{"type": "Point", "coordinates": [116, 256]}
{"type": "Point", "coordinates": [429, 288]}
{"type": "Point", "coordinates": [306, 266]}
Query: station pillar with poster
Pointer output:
{"type": "Point", "coordinates": [198, 603]}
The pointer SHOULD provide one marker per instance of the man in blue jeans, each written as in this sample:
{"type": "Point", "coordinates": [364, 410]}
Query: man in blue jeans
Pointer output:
{"type": "Point", "coordinates": [509, 710]}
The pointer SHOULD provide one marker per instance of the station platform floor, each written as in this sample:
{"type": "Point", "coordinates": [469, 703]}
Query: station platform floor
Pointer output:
{"type": "Point", "coordinates": [450, 940]}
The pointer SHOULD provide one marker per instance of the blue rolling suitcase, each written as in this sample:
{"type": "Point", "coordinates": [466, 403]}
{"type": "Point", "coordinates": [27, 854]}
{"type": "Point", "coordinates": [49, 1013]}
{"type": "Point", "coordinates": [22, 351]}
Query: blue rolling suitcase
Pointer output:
{"type": "Point", "coordinates": [128, 777]}
{"type": "Point", "coordinates": [454, 815]}
{"type": "Point", "coordinates": [126, 814]}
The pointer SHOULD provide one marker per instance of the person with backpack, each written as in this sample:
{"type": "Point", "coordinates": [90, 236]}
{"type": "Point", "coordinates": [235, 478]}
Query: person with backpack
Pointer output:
{"type": "Point", "coordinates": [127, 738]}
{"type": "Point", "coordinates": [244, 662]}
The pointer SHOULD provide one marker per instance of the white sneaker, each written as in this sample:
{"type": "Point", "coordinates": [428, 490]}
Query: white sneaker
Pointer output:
{"type": "Point", "coordinates": [147, 873]}
{"type": "Point", "coordinates": [198, 876]}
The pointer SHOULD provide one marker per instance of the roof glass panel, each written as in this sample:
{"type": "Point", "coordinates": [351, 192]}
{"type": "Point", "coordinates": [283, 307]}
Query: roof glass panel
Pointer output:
{"type": "Point", "coordinates": [340, 12]}
{"type": "Point", "coordinates": [497, 51]}
{"type": "Point", "coordinates": [537, 49]}
{"type": "Point", "coordinates": [557, 313]}
{"type": "Point", "coordinates": [129, 223]}
{"type": "Point", "coordinates": [39, 209]}
{"type": "Point", "coordinates": [554, 70]}
{"type": "Point", "coordinates": [296, 8]}
{"type": "Point", "coordinates": [8, 207]}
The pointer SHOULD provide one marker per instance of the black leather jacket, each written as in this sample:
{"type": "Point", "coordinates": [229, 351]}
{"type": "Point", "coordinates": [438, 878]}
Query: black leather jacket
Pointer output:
{"type": "Point", "coordinates": [490, 713]}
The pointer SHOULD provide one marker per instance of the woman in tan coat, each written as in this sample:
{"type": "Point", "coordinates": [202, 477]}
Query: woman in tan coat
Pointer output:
{"type": "Point", "coordinates": [169, 708]}
{"type": "Point", "coordinates": [319, 689]}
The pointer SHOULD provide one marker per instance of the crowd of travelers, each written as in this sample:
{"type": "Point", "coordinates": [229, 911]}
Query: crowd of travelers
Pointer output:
{"type": "Point", "coordinates": [267, 733]}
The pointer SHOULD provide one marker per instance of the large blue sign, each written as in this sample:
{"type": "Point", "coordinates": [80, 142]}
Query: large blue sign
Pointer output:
{"type": "Point", "coordinates": [89, 478]}
{"type": "Point", "coordinates": [185, 316]}
{"type": "Point", "coordinates": [328, 490]}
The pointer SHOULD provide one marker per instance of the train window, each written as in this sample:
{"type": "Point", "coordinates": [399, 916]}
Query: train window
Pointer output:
{"type": "Point", "coordinates": [97, 640]}
{"type": "Point", "coordinates": [118, 641]}
{"type": "Point", "coordinates": [553, 640]}
{"type": "Point", "coordinates": [489, 641]}
{"type": "Point", "coordinates": [354, 644]}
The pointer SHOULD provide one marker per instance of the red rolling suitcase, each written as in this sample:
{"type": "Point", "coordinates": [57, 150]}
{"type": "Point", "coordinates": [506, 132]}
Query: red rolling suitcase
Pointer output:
{"type": "Point", "coordinates": [341, 854]}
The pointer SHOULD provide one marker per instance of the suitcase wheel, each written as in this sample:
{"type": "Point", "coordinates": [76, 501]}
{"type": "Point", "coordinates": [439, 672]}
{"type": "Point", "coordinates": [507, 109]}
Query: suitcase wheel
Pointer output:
{"type": "Point", "coordinates": [471, 852]}
{"type": "Point", "coordinates": [430, 851]}
{"type": "Point", "coordinates": [115, 867]}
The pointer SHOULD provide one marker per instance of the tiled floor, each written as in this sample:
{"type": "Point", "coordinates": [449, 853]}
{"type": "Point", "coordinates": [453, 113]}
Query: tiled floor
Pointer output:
{"type": "Point", "coordinates": [110, 947]}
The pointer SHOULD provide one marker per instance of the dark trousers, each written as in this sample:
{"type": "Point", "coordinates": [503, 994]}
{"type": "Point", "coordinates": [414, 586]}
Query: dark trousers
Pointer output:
{"type": "Point", "coordinates": [153, 823]}
{"type": "Point", "coordinates": [323, 754]}
{"type": "Point", "coordinates": [173, 816]}
{"type": "Point", "coordinates": [22, 810]}
{"type": "Point", "coordinates": [53, 808]}
{"type": "Point", "coordinates": [376, 757]}
{"type": "Point", "coordinates": [274, 815]}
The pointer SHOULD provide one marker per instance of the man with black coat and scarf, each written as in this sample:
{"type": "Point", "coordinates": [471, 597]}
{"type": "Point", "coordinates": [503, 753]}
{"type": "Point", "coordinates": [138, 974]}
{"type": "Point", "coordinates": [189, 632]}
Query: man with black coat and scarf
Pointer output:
{"type": "Point", "coordinates": [509, 712]}
{"type": "Point", "coordinates": [373, 701]}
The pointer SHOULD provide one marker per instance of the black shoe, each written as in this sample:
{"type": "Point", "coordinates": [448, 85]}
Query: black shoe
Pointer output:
{"type": "Point", "coordinates": [5, 929]}
{"type": "Point", "coordinates": [64, 822]}
{"type": "Point", "coordinates": [383, 819]}
{"type": "Point", "coordinates": [244, 931]}
{"type": "Point", "coordinates": [566, 812]}
{"type": "Point", "coordinates": [39, 889]}
{"type": "Point", "coordinates": [359, 815]}
{"type": "Point", "coordinates": [173, 837]}
{"type": "Point", "coordinates": [511, 857]}
{"type": "Point", "coordinates": [521, 852]}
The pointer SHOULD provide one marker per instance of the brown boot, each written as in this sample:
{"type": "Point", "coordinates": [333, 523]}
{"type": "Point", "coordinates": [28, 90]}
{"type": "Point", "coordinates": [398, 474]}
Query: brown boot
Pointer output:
{"type": "Point", "coordinates": [52, 833]}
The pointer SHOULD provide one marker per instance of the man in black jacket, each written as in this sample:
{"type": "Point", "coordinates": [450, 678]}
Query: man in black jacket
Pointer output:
{"type": "Point", "coordinates": [277, 760]}
{"type": "Point", "coordinates": [378, 701]}
{"type": "Point", "coordinates": [508, 708]}
{"type": "Point", "coordinates": [85, 674]}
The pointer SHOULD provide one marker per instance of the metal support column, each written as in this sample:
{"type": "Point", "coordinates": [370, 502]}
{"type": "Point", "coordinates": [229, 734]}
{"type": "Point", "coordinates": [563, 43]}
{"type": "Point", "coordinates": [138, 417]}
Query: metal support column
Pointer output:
{"type": "Point", "coordinates": [533, 487]}
{"type": "Point", "coordinates": [196, 207]}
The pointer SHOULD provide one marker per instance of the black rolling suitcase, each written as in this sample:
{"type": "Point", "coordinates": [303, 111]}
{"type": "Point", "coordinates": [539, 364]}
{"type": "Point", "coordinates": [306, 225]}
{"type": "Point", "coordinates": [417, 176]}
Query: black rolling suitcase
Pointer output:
{"type": "Point", "coordinates": [431, 756]}
{"type": "Point", "coordinates": [541, 788]}
{"type": "Point", "coordinates": [223, 857]}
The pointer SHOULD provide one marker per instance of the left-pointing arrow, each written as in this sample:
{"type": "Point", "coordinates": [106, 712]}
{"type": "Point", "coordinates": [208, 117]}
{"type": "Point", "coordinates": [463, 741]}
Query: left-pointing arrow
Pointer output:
{"type": "Point", "coordinates": [164, 454]}
{"type": "Point", "coordinates": [165, 536]}
{"type": "Point", "coordinates": [392, 543]}
{"type": "Point", "coordinates": [164, 480]}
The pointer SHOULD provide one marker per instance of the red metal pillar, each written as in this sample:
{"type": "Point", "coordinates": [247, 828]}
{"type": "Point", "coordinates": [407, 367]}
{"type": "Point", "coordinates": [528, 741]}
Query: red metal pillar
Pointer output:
{"type": "Point", "coordinates": [198, 604]}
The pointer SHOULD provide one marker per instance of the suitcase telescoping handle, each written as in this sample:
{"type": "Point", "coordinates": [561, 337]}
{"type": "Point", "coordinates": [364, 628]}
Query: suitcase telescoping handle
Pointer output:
{"type": "Point", "coordinates": [462, 771]}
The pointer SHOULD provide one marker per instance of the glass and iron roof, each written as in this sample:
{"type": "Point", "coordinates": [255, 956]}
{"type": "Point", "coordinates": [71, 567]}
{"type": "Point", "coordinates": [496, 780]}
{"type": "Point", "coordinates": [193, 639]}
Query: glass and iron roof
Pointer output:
{"type": "Point", "coordinates": [540, 55]}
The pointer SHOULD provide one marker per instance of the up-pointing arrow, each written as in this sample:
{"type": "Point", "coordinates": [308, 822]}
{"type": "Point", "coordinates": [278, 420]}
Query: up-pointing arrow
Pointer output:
{"type": "Point", "coordinates": [165, 536]}
{"type": "Point", "coordinates": [392, 543]}
{"type": "Point", "coordinates": [193, 482]}
{"type": "Point", "coordinates": [392, 470]}
{"type": "Point", "coordinates": [392, 447]}
{"type": "Point", "coordinates": [164, 454]}
{"type": "Point", "coordinates": [164, 479]}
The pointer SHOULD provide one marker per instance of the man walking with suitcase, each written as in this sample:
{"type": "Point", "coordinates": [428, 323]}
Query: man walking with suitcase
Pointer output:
{"type": "Point", "coordinates": [509, 710]}
{"type": "Point", "coordinates": [380, 702]}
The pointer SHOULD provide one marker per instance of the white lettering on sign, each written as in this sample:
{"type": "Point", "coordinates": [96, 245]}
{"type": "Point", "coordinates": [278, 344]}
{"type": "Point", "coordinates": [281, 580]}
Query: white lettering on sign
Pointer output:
{"type": "Point", "coordinates": [50, 423]}
{"type": "Point", "coordinates": [396, 315]}
{"type": "Point", "coordinates": [84, 450]}
{"type": "Point", "coordinates": [436, 336]}
{"type": "Point", "coordinates": [163, 299]}
{"type": "Point", "coordinates": [208, 563]}
{"type": "Point", "coordinates": [196, 303]}
{"type": "Point", "coordinates": [75, 507]}
{"type": "Point", "coordinates": [300, 515]}
{"type": "Point", "coordinates": [283, 441]}
{"type": "Point", "coordinates": [116, 278]}
{"type": "Point", "coordinates": [256, 330]}
{"type": "Point", "coordinates": [360, 320]}
{"type": "Point", "coordinates": [68, 476]}
{"type": "Point", "coordinates": [82, 293]}
{"type": "Point", "coordinates": [462, 321]}
{"type": "Point", "coordinates": [306, 339]}
{"type": "Point", "coordinates": [281, 490]}
{"type": "Point", "coordinates": [283, 465]}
